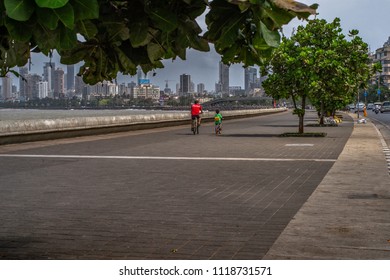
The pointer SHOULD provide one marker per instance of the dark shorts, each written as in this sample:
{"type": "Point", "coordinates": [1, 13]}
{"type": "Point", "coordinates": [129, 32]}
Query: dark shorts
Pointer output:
{"type": "Point", "coordinates": [195, 116]}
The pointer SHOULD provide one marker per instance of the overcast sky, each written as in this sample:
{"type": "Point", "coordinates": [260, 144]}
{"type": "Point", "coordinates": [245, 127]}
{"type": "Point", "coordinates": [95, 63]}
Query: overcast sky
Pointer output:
{"type": "Point", "coordinates": [370, 17]}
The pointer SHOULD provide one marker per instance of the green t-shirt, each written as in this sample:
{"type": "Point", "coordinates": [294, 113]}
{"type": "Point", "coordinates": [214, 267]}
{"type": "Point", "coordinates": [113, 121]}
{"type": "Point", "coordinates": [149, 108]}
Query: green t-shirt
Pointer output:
{"type": "Point", "coordinates": [218, 118]}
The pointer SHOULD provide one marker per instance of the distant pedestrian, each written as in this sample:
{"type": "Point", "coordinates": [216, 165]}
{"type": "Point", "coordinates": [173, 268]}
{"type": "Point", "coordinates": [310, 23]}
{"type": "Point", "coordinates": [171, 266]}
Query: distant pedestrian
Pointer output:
{"type": "Point", "coordinates": [218, 122]}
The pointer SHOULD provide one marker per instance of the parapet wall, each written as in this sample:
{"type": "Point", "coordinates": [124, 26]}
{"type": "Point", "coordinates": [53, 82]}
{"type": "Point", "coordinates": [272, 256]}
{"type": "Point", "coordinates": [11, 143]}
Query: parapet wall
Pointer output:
{"type": "Point", "coordinates": [16, 131]}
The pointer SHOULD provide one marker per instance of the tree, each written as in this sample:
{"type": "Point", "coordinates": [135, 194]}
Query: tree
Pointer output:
{"type": "Point", "coordinates": [320, 64]}
{"type": "Point", "coordinates": [117, 36]}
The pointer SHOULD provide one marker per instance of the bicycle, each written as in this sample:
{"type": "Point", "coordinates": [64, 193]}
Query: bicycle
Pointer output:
{"type": "Point", "coordinates": [195, 126]}
{"type": "Point", "coordinates": [218, 128]}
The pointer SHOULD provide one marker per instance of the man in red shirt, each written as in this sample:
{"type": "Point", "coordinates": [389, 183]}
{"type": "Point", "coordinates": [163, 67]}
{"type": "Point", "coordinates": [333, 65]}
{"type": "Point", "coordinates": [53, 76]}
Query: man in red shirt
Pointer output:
{"type": "Point", "coordinates": [196, 110]}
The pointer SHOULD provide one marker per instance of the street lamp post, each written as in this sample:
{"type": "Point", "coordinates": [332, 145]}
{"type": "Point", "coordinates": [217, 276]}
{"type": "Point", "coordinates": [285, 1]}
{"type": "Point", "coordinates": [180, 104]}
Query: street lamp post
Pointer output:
{"type": "Point", "coordinates": [357, 105]}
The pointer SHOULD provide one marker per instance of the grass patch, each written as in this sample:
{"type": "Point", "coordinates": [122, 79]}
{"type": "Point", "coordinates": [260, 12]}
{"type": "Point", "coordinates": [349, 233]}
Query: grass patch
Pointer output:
{"type": "Point", "coordinates": [305, 134]}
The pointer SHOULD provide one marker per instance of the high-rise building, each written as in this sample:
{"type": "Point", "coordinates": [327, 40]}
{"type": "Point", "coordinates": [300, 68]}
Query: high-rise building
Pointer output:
{"type": "Point", "coordinates": [185, 84]}
{"type": "Point", "coordinates": [48, 75]}
{"type": "Point", "coordinates": [200, 88]}
{"type": "Point", "coordinates": [58, 83]}
{"type": "Point", "coordinates": [224, 78]}
{"type": "Point", "coordinates": [79, 86]}
{"type": "Point", "coordinates": [141, 77]}
{"type": "Point", "coordinates": [6, 88]}
{"type": "Point", "coordinates": [131, 87]}
{"type": "Point", "coordinates": [250, 76]}
{"type": "Point", "coordinates": [23, 72]}
{"type": "Point", "coordinates": [70, 78]}
{"type": "Point", "coordinates": [33, 86]}
{"type": "Point", "coordinates": [43, 89]}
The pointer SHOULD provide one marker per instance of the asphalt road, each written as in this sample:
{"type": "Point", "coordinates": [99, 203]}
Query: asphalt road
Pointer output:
{"type": "Point", "coordinates": [162, 193]}
{"type": "Point", "coordinates": [382, 122]}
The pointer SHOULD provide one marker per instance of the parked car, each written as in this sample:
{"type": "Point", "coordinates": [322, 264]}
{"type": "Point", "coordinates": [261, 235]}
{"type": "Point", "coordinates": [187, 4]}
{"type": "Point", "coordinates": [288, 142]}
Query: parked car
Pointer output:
{"type": "Point", "coordinates": [350, 107]}
{"type": "Point", "coordinates": [370, 106]}
{"type": "Point", "coordinates": [385, 107]}
{"type": "Point", "coordinates": [359, 107]}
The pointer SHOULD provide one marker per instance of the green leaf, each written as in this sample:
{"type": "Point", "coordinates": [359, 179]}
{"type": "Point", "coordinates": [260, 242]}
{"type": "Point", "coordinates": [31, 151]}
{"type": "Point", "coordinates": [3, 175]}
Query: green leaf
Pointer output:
{"type": "Point", "coordinates": [230, 30]}
{"type": "Point", "coordinates": [65, 15]}
{"type": "Point", "coordinates": [272, 38]}
{"type": "Point", "coordinates": [52, 4]}
{"type": "Point", "coordinates": [75, 55]}
{"type": "Point", "coordinates": [259, 43]}
{"type": "Point", "coordinates": [85, 9]}
{"type": "Point", "coordinates": [17, 55]}
{"type": "Point", "coordinates": [139, 33]}
{"type": "Point", "coordinates": [278, 16]}
{"type": "Point", "coordinates": [165, 19]}
{"type": "Point", "coordinates": [20, 31]}
{"type": "Point", "coordinates": [45, 38]}
{"type": "Point", "coordinates": [117, 30]}
{"type": "Point", "coordinates": [86, 28]}
{"type": "Point", "coordinates": [47, 18]}
{"type": "Point", "coordinates": [155, 52]}
{"type": "Point", "coordinates": [68, 39]}
{"type": "Point", "coordinates": [125, 61]}
{"type": "Point", "coordinates": [19, 9]}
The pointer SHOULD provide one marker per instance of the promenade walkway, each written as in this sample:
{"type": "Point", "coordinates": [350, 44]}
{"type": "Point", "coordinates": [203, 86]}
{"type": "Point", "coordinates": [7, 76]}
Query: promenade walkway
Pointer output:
{"type": "Point", "coordinates": [254, 195]}
{"type": "Point", "coordinates": [347, 216]}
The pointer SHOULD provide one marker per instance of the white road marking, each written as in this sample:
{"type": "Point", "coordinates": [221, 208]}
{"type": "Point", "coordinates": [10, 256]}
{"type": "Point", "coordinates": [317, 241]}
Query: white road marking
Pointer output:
{"type": "Point", "coordinates": [385, 148]}
{"type": "Point", "coordinates": [163, 158]}
{"type": "Point", "coordinates": [299, 145]}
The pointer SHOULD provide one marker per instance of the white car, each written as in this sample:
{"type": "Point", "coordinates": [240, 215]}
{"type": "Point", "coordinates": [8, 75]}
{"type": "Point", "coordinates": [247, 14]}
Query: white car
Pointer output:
{"type": "Point", "coordinates": [385, 107]}
{"type": "Point", "coordinates": [359, 107]}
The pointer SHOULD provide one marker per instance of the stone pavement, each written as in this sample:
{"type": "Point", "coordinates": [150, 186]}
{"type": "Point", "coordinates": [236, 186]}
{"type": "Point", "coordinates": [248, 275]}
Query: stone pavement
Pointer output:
{"type": "Point", "coordinates": [348, 215]}
{"type": "Point", "coordinates": [134, 195]}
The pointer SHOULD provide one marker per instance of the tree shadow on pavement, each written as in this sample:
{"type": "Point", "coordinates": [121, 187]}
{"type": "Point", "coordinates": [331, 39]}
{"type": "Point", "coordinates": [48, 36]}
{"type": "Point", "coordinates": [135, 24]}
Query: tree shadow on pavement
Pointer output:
{"type": "Point", "coordinates": [282, 125]}
{"type": "Point", "coordinates": [246, 135]}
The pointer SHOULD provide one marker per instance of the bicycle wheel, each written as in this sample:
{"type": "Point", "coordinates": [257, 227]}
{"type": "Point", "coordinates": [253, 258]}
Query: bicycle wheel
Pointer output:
{"type": "Point", "coordinates": [193, 126]}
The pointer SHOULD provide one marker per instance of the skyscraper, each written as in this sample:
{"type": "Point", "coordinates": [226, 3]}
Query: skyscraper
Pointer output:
{"type": "Point", "coordinates": [43, 89]}
{"type": "Point", "coordinates": [58, 83]}
{"type": "Point", "coordinates": [23, 72]}
{"type": "Point", "coordinates": [224, 78]}
{"type": "Point", "coordinates": [70, 77]}
{"type": "Point", "coordinates": [200, 88]}
{"type": "Point", "coordinates": [185, 84]}
{"type": "Point", "coordinates": [6, 88]}
{"type": "Point", "coordinates": [141, 77]}
{"type": "Point", "coordinates": [79, 85]}
{"type": "Point", "coordinates": [48, 75]}
{"type": "Point", "coordinates": [250, 76]}
{"type": "Point", "coordinates": [32, 86]}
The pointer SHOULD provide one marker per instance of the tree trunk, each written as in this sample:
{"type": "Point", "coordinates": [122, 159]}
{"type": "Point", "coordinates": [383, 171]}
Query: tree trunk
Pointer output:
{"type": "Point", "coordinates": [322, 113]}
{"type": "Point", "coordinates": [301, 115]}
{"type": "Point", "coordinates": [301, 124]}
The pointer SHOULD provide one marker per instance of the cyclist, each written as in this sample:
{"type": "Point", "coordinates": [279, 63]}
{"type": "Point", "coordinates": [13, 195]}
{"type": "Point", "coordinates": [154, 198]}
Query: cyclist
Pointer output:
{"type": "Point", "coordinates": [218, 122]}
{"type": "Point", "coordinates": [196, 110]}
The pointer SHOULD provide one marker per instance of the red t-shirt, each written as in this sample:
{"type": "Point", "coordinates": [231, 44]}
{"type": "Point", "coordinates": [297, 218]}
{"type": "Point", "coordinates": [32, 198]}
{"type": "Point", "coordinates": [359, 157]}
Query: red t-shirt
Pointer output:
{"type": "Point", "coordinates": [196, 109]}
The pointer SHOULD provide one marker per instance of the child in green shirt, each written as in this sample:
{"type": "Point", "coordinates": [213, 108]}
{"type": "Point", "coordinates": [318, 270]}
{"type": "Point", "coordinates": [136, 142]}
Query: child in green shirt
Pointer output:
{"type": "Point", "coordinates": [218, 122]}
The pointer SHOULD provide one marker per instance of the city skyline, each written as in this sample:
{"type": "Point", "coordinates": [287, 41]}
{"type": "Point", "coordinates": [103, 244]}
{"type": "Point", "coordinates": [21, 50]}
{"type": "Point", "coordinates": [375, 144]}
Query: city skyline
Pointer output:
{"type": "Point", "coordinates": [362, 15]}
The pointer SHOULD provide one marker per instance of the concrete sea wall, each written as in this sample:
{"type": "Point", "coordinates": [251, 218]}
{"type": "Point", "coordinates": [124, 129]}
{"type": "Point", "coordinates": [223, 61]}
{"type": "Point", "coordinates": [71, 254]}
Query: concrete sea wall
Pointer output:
{"type": "Point", "coordinates": [16, 131]}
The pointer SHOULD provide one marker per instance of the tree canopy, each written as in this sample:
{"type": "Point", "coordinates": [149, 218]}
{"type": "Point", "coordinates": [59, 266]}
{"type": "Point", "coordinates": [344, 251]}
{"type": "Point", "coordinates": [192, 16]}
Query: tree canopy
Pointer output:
{"type": "Point", "coordinates": [319, 63]}
{"type": "Point", "coordinates": [117, 36]}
